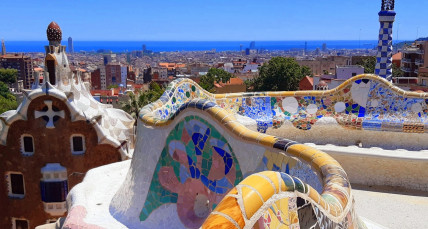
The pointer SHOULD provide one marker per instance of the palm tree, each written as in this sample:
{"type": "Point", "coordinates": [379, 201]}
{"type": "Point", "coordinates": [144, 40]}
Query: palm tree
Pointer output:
{"type": "Point", "coordinates": [132, 106]}
{"type": "Point", "coordinates": [139, 100]}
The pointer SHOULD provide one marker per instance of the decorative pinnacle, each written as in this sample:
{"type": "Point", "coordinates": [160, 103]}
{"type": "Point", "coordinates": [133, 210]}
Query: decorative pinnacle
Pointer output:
{"type": "Point", "coordinates": [54, 32]}
{"type": "Point", "coordinates": [387, 5]}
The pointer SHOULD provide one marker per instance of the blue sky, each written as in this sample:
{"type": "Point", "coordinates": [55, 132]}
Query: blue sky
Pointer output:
{"type": "Point", "coordinates": [208, 20]}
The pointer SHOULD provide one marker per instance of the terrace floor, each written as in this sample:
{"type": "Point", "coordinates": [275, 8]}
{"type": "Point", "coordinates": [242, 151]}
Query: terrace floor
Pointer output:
{"type": "Point", "coordinates": [392, 207]}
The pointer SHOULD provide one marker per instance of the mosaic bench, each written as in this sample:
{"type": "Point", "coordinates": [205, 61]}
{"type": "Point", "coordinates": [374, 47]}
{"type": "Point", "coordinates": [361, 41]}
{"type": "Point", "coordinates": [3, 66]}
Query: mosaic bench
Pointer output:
{"type": "Point", "coordinates": [195, 165]}
{"type": "Point", "coordinates": [193, 154]}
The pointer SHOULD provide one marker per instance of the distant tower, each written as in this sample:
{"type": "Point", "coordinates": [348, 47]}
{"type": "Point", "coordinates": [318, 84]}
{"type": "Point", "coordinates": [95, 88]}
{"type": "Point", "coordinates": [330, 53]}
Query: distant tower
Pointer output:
{"type": "Point", "coordinates": [144, 48]}
{"type": "Point", "coordinates": [324, 47]}
{"type": "Point", "coordinates": [70, 45]}
{"type": "Point", "coordinates": [3, 48]}
{"type": "Point", "coordinates": [384, 48]}
{"type": "Point", "coordinates": [253, 45]}
{"type": "Point", "coordinates": [306, 48]}
{"type": "Point", "coordinates": [128, 57]}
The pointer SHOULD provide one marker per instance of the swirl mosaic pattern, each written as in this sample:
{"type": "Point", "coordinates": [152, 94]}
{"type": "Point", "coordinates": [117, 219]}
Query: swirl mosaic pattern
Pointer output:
{"type": "Point", "coordinates": [197, 164]}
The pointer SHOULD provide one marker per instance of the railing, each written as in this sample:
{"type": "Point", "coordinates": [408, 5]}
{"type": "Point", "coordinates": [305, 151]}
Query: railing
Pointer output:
{"type": "Point", "coordinates": [406, 69]}
{"type": "Point", "coordinates": [419, 61]}
{"type": "Point", "coordinates": [411, 50]}
{"type": "Point", "coordinates": [406, 60]}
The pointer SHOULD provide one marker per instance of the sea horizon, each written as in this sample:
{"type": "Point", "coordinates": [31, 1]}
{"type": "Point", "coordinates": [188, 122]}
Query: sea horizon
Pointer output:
{"type": "Point", "coordinates": [171, 46]}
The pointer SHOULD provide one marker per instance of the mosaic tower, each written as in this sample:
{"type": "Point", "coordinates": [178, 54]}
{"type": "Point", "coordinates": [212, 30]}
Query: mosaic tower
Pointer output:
{"type": "Point", "coordinates": [384, 49]}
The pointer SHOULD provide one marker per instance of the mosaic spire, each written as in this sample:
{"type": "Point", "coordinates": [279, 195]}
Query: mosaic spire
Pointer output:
{"type": "Point", "coordinates": [384, 48]}
{"type": "Point", "coordinates": [387, 5]}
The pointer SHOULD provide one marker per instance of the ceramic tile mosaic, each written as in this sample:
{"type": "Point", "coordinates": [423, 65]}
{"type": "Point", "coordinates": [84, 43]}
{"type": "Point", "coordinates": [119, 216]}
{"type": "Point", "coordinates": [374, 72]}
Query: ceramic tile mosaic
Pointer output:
{"type": "Point", "coordinates": [282, 208]}
{"type": "Point", "coordinates": [365, 102]}
{"type": "Point", "coordinates": [197, 163]}
{"type": "Point", "coordinates": [175, 97]}
{"type": "Point", "coordinates": [383, 66]}
{"type": "Point", "coordinates": [199, 175]}
{"type": "Point", "coordinates": [281, 163]}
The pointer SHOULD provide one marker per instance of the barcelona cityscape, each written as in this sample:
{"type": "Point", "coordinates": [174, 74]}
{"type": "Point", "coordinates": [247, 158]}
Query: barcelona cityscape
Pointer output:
{"type": "Point", "coordinates": [226, 114]}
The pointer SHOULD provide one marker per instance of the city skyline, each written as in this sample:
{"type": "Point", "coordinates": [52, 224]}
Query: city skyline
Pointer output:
{"type": "Point", "coordinates": [201, 21]}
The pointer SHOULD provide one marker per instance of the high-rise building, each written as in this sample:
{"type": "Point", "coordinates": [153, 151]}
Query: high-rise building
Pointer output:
{"type": "Point", "coordinates": [123, 75]}
{"type": "Point", "coordinates": [96, 79]}
{"type": "Point", "coordinates": [103, 77]}
{"type": "Point", "coordinates": [252, 45]}
{"type": "Point", "coordinates": [23, 64]}
{"type": "Point", "coordinates": [128, 58]}
{"type": "Point", "coordinates": [147, 75]}
{"type": "Point", "coordinates": [306, 48]}
{"type": "Point", "coordinates": [3, 48]}
{"type": "Point", "coordinates": [109, 58]}
{"type": "Point", "coordinates": [324, 47]}
{"type": "Point", "coordinates": [113, 74]}
{"type": "Point", "coordinates": [414, 61]}
{"type": "Point", "coordinates": [384, 48]}
{"type": "Point", "coordinates": [144, 48]}
{"type": "Point", "coordinates": [70, 45]}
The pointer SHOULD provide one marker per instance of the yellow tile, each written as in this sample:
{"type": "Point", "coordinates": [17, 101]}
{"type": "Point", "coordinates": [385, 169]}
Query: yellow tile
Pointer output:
{"type": "Point", "coordinates": [268, 140]}
{"type": "Point", "coordinates": [314, 195]}
{"type": "Point", "coordinates": [273, 176]}
{"type": "Point", "coordinates": [263, 187]}
{"type": "Point", "coordinates": [250, 135]}
{"type": "Point", "coordinates": [301, 93]}
{"type": "Point", "coordinates": [294, 217]}
{"type": "Point", "coordinates": [252, 201]}
{"type": "Point", "coordinates": [213, 111]}
{"type": "Point", "coordinates": [228, 206]}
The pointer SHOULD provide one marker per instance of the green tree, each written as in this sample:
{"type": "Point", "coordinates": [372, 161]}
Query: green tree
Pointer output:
{"type": "Point", "coordinates": [396, 71]}
{"type": "Point", "coordinates": [8, 76]}
{"type": "Point", "coordinates": [132, 105]}
{"type": "Point", "coordinates": [279, 74]}
{"type": "Point", "coordinates": [369, 64]}
{"type": "Point", "coordinates": [137, 101]}
{"type": "Point", "coordinates": [112, 86]}
{"type": "Point", "coordinates": [214, 75]}
{"type": "Point", "coordinates": [154, 93]}
{"type": "Point", "coordinates": [7, 100]}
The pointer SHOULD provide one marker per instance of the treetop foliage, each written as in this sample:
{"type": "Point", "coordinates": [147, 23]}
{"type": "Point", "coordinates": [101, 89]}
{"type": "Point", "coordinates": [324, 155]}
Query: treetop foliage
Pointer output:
{"type": "Point", "coordinates": [214, 75]}
{"type": "Point", "coordinates": [8, 76]}
{"type": "Point", "coordinates": [279, 74]}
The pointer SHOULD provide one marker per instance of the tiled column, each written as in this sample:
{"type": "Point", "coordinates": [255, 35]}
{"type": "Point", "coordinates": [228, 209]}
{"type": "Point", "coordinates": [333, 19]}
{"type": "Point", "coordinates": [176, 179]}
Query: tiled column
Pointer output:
{"type": "Point", "coordinates": [384, 49]}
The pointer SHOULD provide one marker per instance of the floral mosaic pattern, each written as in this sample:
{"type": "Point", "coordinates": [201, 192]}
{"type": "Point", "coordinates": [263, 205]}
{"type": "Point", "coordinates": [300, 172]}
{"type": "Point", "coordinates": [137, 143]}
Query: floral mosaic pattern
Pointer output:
{"type": "Point", "coordinates": [196, 169]}
{"type": "Point", "coordinates": [364, 103]}
{"type": "Point", "coordinates": [177, 96]}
